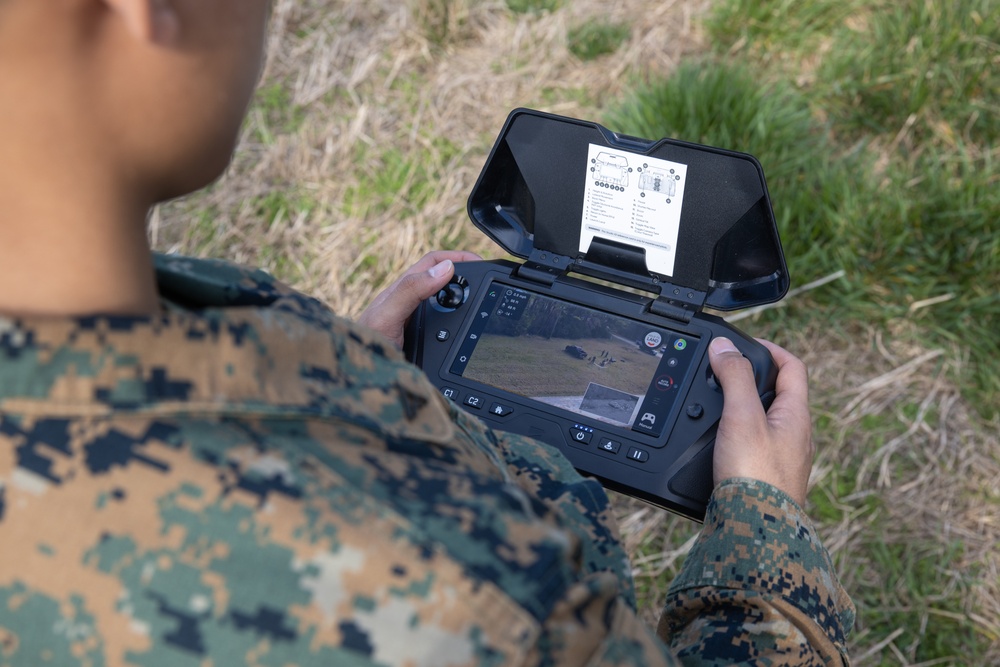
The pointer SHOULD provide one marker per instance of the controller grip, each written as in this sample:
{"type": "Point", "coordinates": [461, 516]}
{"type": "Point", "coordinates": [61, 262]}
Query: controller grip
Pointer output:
{"type": "Point", "coordinates": [765, 371]}
{"type": "Point", "coordinates": [695, 479]}
{"type": "Point", "coordinates": [412, 343]}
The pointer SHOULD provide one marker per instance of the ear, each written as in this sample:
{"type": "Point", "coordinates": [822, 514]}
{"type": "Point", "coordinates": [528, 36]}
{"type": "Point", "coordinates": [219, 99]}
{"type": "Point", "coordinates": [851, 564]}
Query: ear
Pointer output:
{"type": "Point", "coordinates": [153, 21]}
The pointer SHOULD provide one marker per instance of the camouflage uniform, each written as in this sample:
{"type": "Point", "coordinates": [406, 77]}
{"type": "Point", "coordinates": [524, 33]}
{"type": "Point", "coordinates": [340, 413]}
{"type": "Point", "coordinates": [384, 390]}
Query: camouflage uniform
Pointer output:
{"type": "Point", "coordinates": [245, 479]}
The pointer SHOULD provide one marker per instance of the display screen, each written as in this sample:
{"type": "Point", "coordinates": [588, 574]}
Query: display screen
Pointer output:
{"type": "Point", "coordinates": [600, 366]}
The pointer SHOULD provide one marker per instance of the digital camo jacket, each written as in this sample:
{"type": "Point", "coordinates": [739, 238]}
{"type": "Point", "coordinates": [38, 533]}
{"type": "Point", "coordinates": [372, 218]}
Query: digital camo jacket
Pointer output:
{"type": "Point", "coordinates": [246, 479]}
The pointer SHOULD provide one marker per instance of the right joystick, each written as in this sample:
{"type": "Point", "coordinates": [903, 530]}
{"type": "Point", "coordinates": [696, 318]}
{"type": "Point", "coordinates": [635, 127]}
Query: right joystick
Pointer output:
{"type": "Point", "coordinates": [712, 382]}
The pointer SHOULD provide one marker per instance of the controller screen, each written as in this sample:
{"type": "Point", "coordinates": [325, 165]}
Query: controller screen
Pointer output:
{"type": "Point", "coordinates": [604, 367]}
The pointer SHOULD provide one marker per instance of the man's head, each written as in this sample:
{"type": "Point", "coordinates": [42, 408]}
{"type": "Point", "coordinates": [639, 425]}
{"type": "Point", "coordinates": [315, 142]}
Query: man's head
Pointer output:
{"type": "Point", "coordinates": [154, 90]}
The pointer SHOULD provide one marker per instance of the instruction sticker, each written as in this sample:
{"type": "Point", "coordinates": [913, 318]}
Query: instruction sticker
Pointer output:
{"type": "Point", "coordinates": [634, 199]}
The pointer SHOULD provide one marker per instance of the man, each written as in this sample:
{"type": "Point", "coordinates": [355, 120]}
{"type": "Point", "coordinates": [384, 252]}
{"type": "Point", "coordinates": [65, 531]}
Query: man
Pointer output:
{"type": "Point", "coordinates": [200, 466]}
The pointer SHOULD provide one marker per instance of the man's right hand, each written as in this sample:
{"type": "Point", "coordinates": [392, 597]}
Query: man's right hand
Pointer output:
{"type": "Point", "coordinates": [774, 447]}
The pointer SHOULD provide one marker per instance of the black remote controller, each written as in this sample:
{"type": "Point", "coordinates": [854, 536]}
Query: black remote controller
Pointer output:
{"type": "Point", "coordinates": [614, 371]}
{"type": "Point", "coordinates": [656, 445]}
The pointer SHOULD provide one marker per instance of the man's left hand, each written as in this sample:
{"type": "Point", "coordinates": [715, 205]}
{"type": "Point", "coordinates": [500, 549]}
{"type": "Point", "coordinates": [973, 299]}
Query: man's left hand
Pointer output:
{"type": "Point", "coordinates": [390, 310]}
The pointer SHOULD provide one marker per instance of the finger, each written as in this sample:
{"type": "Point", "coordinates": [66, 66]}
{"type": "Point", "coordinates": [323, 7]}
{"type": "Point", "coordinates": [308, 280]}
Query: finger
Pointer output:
{"type": "Point", "coordinates": [403, 297]}
{"type": "Point", "coordinates": [792, 373]}
{"type": "Point", "coordinates": [435, 257]}
{"type": "Point", "coordinates": [790, 408]}
{"type": "Point", "coordinates": [792, 385]}
{"type": "Point", "coordinates": [734, 373]}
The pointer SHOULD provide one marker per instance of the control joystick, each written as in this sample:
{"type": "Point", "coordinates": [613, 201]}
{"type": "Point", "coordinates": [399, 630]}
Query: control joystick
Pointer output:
{"type": "Point", "coordinates": [710, 379]}
{"type": "Point", "coordinates": [767, 393]}
{"type": "Point", "coordinates": [452, 295]}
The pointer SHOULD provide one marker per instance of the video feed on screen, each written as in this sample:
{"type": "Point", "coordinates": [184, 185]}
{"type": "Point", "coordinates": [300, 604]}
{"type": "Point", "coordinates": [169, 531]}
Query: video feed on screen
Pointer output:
{"type": "Point", "coordinates": [606, 367]}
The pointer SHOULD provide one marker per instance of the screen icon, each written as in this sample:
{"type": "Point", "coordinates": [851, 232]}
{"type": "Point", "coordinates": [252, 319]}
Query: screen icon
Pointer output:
{"type": "Point", "coordinates": [653, 339]}
{"type": "Point", "coordinates": [680, 344]}
{"type": "Point", "coordinates": [664, 382]}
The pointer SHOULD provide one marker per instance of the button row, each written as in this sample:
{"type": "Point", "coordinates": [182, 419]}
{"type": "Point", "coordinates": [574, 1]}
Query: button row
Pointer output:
{"type": "Point", "coordinates": [476, 402]}
{"type": "Point", "coordinates": [578, 433]}
{"type": "Point", "coordinates": [584, 434]}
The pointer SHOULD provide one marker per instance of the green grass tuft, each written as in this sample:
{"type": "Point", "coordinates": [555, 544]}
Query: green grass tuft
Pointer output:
{"type": "Point", "coordinates": [926, 69]}
{"type": "Point", "coordinates": [728, 107]}
{"type": "Point", "coordinates": [278, 112]}
{"type": "Point", "coordinates": [924, 601]}
{"type": "Point", "coordinates": [533, 6]}
{"type": "Point", "coordinates": [282, 207]}
{"type": "Point", "coordinates": [910, 218]}
{"type": "Point", "coordinates": [594, 39]}
{"type": "Point", "coordinates": [778, 25]}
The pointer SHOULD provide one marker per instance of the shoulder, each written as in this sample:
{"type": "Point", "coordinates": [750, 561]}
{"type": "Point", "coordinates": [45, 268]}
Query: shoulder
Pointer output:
{"type": "Point", "coordinates": [197, 283]}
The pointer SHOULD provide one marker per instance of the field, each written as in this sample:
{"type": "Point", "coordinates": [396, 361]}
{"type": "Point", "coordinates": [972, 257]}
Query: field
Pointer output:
{"type": "Point", "coordinates": [876, 123]}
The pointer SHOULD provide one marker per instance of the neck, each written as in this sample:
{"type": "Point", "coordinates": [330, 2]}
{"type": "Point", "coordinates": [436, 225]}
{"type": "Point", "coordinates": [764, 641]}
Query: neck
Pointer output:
{"type": "Point", "coordinates": [72, 224]}
{"type": "Point", "coordinates": [71, 242]}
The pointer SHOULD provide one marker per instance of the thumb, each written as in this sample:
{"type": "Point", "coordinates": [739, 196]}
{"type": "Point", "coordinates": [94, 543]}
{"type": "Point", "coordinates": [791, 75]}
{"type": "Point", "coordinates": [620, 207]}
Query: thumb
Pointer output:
{"type": "Point", "coordinates": [734, 373]}
{"type": "Point", "coordinates": [395, 305]}
{"type": "Point", "coordinates": [415, 287]}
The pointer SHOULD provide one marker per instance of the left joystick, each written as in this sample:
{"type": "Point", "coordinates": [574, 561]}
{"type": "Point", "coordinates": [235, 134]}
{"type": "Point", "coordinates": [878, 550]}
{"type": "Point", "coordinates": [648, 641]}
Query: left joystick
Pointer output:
{"type": "Point", "coordinates": [453, 295]}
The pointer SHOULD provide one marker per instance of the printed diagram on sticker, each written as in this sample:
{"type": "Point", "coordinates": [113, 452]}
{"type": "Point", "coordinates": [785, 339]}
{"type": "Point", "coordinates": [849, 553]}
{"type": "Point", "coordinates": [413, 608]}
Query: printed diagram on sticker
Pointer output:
{"type": "Point", "coordinates": [657, 181]}
{"type": "Point", "coordinates": [612, 169]}
{"type": "Point", "coordinates": [643, 211]}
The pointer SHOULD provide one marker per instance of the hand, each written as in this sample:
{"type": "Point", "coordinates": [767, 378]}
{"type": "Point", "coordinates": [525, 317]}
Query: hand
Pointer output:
{"type": "Point", "coordinates": [390, 310]}
{"type": "Point", "coordinates": [775, 447]}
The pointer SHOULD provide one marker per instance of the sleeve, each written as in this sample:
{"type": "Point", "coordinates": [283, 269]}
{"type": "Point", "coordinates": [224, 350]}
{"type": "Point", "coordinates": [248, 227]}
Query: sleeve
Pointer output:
{"type": "Point", "coordinates": [758, 587]}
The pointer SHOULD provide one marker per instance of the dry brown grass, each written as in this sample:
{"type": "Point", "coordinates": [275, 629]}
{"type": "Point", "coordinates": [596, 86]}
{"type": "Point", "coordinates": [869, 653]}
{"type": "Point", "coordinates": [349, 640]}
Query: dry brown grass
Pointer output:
{"type": "Point", "coordinates": [930, 480]}
{"type": "Point", "coordinates": [367, 82]}
{"type": "Point", "coordinates": [931, 466]}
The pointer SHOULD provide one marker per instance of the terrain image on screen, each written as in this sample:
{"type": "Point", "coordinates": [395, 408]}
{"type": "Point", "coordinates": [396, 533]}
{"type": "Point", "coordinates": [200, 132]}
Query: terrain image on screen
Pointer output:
{"type": "Point", "coordinates": [568, 356]}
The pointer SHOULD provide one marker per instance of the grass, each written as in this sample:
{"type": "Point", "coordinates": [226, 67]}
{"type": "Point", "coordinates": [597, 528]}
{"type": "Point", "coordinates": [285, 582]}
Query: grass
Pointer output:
{"type": "Point", "coordinates": [876, 124]}
{"type": "Point", "coordinates": [880, 163]}
{"type": "Point", "coordinates": [934, 61]}
{"type": "Point", "coordinates": [780, 29]}
{"type": "Point", "coordinates": [532, 6]}
{"type": "Point", "coordinates": [726, 106]}
{"type": "Point", "coordinates": [275, 108]}
{"type": "Point", "coordinates": [924, 599]}
{"type": "Point", "coordinates": [905, 232]}
{"type": "Point", "coordinates": [594, 39]}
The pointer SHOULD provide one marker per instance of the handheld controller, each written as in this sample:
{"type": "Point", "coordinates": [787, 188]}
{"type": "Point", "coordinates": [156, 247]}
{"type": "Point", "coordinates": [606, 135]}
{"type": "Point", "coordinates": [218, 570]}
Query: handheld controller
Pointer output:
{"type": "Point", "coordinates": [651, 438]}
{"type": "Point", "coordinates": [613, 373]}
